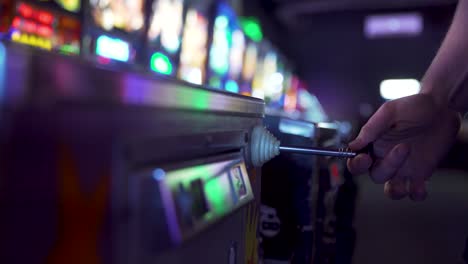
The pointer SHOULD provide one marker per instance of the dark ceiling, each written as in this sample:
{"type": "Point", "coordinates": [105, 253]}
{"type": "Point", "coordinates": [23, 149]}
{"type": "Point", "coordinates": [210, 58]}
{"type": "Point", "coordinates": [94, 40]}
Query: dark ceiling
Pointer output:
{"type": "Point", "coordinates": [324, 40]}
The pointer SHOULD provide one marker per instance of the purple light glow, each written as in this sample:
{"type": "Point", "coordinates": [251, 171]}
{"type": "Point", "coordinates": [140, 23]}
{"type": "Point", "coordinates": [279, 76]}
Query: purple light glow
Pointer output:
{"type": "Point", "coordinates": [171, 216]}
{"type": "Point", "coordinates": [405, 24]}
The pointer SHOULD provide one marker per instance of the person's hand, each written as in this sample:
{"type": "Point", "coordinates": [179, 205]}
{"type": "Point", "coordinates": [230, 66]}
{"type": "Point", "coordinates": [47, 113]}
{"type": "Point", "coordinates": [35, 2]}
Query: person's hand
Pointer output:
{"type": "Point", "coordinates": [410, 136]}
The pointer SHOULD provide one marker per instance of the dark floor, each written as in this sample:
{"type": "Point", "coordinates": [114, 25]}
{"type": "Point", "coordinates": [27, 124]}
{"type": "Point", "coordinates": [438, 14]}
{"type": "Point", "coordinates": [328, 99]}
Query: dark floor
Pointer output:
{"type": "Point", "coordinates": [400, 232]}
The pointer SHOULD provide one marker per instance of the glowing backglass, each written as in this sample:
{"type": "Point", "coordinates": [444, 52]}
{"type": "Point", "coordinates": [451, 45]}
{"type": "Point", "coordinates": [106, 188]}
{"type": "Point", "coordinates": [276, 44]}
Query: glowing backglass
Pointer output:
{"type": "Point", "coordinates": [40, 26]}
{"type": "Point", "coordinates": [194, 48]}
{"type": "Point", "coordinates": [267, 80]}
{"type": "Point", "coordinates": [121, 14]}
{"type": "Point", "coordinates": [165, 26]}
{"type": "Point", "coordinates": [248, 68]}
{"type": "Point", "coordinates": [164, 35]}
{"type": "Point", "coordinates": [227, 50]}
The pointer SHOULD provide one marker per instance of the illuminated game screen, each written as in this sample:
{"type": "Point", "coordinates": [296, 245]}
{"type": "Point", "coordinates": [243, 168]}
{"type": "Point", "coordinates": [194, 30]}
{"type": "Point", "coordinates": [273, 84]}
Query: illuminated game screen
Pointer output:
{"type": "Point", "coordinates": [273, 79]}
{"type": "Point", "coordinates": [39, 26]}
{"type": "Point", "coordinates": [248, 68]}
{"type": "Point", "coordinates": [227, 51]}
{"type": "Point", "coordinates": [194, 48]}
{"type": "Point", "coordinates": [165, 27]}
{"type": "Point", "coordinates": [267, 81]}
{"type": "Point", "coordinates": [126, 15]}
{"type": "Point", "coordinates": [164, 35]}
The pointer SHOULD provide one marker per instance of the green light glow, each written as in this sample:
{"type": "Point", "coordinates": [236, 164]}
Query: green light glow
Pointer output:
{"type": "Point", "coordinates": [198, 99]}
{"type": "Point", "coordinates": [217, 189]}
{"type": "Point", "coordinates": [69, 49]}
{"type": "Point", "coordinates": [217, 193]}
{"type": "Point", "coordinates": [187, 175]}
{"type": "Point", "coordinates": [215, 82]}
{"type": "Point", "coordinates": [161, 63]}
{"type": "Point", "coordinates": [252, 28]}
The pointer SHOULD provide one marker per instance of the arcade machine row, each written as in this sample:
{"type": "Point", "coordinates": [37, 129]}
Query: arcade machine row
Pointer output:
{"type": "Point", "coordinates": [286, 223]}
{"type": "Point", "coordinates": [334, 201]}
{"type": "Point", "coordinates": [333, 191]}
{"type": "Point", "coordinates": [49, 25]}
{"type": "Point", "coordinates": [106, 166]}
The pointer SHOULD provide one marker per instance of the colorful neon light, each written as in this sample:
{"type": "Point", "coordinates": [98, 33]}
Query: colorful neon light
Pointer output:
{"type": "Point", "coordinates": [215, 82]}
{"type": "Point", "coordinates": [290, 101]}
{"type": "Point", "coordinates": [31, 40]}
{"type": "Point", "coordinates": [219, 53]}
{"type": "Point", "coordinates": [232, 86]}
{"type": "Point", "coordinates": [166, 24]}
{"type": "Point", "coordinates": [124, 15]}
{"type": "Point", "coordinates": [69, 49]}
{"type": "Point", "coordinates": [45, 17]}
{"type": "Point", "coordinates": [112, 48]}
{"type": "Point", "coordinates": [3, 57]}
{"type": "Point", "coordinates": [16, 22]}
{"type": "Point", "coordinates": [194, 48]}
{"type": "Point", "coordinates": [252, 28]}
{"type": "Point", "coordinates": [32, 27]}
{"type": "Point", "coordinates": [25, 10]}
{"type": "Point", "coordinates": [42, 29]}
{"type": "Point", "coordinates": [161, 63]}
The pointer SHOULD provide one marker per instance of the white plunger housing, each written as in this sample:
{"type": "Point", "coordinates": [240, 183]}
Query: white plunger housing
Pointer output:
{"type": "Point", "coordinates": [263, 146]}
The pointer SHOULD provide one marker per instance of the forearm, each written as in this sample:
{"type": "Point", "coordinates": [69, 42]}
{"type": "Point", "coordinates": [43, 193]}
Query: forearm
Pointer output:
{"type": "Point", "coordinates": [449, 70]}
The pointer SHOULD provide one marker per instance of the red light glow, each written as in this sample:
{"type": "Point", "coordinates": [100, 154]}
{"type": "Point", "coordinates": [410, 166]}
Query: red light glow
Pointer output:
{"type": "Point", "coordinates": [103, 60]}
{"type": "Point", "coordinates": [45, 31]}
{"type": "Point", "coordinates": [335, 171]}
{"type": "Point", "coordinates": [16, 22]}
{"type": "Point", "coordinates": [30, 26]}
{"type": "Point", "coordinates": [25, 10]}
{"type": "Point", "coordinates": [45, 17]}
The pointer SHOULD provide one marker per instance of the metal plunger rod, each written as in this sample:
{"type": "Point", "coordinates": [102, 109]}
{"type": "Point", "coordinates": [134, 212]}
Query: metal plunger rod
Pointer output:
{"type": "Point", "coordinates": [342, 153]}
{"type": "Point", "coordinates": [264, 146]}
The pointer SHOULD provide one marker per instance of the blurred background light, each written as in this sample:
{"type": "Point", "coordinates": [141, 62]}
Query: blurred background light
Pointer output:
{"type": "Point", "coordinates": [408, 24]}
{"type": "Point", "coordinates": [112, 48]}
{"type": "Point", "coordinates": [398, 88]}
{"type": "Point", "coordinates": [160, 63]}
{"type": "Point", "coordinates": [252, 28]}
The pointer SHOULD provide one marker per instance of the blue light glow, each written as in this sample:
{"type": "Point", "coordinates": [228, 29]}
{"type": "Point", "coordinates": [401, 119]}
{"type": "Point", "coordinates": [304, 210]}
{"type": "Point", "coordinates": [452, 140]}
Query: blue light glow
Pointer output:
{"type": "Point", "coordinates": [2, 69]}
{"type": "Point", "coordinates": [113, 48]}
{"type": "Point", "coordinates": [159, 174]}
{"type": "Point", "coordinates": [297, 128]}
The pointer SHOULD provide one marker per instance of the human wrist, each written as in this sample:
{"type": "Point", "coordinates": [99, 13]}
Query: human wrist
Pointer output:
{"type": "Point", "coordinates": [437, 92]}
